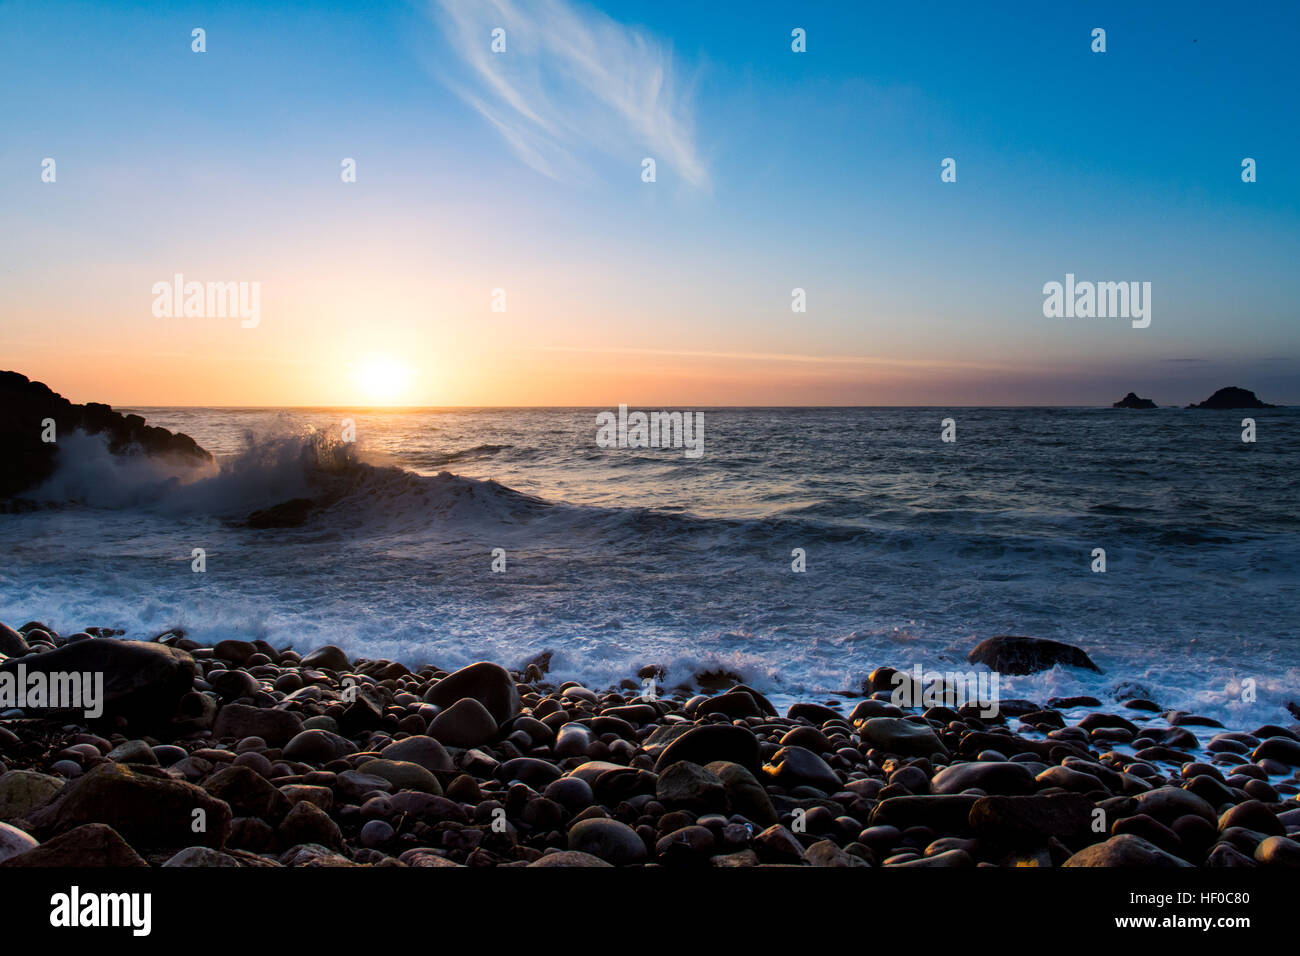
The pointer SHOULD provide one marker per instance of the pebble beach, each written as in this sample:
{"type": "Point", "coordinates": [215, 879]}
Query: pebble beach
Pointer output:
{"type": "Point", "coordinates": [243, 755]}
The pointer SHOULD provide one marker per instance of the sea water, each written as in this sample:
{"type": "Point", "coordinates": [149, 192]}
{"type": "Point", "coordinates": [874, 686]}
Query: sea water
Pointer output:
{"type": "Point", "coordinates": [454, 535]}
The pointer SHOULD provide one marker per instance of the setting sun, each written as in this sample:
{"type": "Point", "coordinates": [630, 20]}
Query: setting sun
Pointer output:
{"type": "Point", "coordinates": [382, 380]}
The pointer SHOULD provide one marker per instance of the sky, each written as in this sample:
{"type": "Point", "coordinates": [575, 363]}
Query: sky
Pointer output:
{"type": "Point", "coordinates": [500, 245]}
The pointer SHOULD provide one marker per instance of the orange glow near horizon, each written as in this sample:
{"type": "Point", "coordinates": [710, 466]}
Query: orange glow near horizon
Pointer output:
{"type": "Point", "coordinates": [479, 376]}
{"type": "Point", "coordinates": [343, 346]}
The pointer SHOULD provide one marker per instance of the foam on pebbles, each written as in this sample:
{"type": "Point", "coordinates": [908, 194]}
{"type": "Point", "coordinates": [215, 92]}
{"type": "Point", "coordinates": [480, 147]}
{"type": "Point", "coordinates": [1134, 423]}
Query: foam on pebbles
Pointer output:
{"type": "Point", "coordinates": [321, 760]}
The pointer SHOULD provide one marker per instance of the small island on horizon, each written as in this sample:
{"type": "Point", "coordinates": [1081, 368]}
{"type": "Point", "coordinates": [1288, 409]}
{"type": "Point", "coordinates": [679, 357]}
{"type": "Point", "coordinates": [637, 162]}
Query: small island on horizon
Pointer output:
{"type": "Point", "coordinates": [1131, 400]}
{"type": "Point", "coordinates": [1225, 398]}
{"type": "Point", "coordinates": [1232, 397]}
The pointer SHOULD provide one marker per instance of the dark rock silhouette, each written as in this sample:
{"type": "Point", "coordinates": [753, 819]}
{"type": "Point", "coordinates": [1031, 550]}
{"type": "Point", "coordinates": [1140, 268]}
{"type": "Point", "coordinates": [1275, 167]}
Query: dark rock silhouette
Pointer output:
{"type": "Point", "coordinates": [287, 514]}
{"type": "Point", "coordinates": [1132, 401]}
{"type": "Point", "coordinates": [1233, 397]}
{"type": "Point", "coordinates": [1013, 654]}
{"type": "Point", "coordinates": [26, 460]}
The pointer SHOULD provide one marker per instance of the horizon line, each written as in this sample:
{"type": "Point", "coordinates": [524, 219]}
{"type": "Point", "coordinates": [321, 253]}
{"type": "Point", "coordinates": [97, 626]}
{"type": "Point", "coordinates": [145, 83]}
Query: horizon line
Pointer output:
{"type": "Point", "coordinates": [647, 405]}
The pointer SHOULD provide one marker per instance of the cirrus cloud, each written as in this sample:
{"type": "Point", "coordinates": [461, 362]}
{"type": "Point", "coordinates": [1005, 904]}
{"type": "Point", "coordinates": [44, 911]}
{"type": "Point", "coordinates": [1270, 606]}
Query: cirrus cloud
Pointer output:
{"type": "Point", "coordinates": [572, 83]}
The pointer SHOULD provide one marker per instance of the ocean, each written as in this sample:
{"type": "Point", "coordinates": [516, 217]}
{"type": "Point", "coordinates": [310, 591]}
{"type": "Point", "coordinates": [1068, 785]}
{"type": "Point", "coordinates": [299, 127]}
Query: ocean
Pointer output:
{"type": "Point", "coordinates": [914, 549]}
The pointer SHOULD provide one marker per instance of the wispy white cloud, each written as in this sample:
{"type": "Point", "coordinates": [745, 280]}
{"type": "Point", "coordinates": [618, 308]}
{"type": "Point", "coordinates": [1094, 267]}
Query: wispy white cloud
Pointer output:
{"type": "Point", "coordinates": [571, 83]}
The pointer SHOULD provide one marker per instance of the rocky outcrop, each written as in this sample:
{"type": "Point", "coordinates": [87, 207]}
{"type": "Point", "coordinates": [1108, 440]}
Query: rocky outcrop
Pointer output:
{"type": "Point", "coordinates": [1132, 401]}
{"type": "Point", "coordinates": [1232, 397]}
{"type": "Point", "coordinates": [27, 460]}
{"type": "Point", "coordinates": [1012, 654]}
{"type": "Point", "coordinates": [287, 514]}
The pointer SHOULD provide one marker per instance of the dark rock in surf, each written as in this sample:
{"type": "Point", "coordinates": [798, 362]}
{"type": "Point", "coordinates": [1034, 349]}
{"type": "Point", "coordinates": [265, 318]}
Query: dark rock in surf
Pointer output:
{"type": "Point", "coordinates": [734, 703]}
{"type": "Point", "coordinates": [234, 651]}
{"type": "Point", "coordinates": [1012, 654]}
{"type": "Point", "coordinates": [287, 514]}
{"type": "Point", "coordinates": [329, 657]}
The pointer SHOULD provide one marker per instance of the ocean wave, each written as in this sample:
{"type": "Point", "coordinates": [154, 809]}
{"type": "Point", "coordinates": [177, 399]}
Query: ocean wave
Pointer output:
{"type": "Point", "coordinates": [272, 468]}
{"type": "Point", "coordinates": [348, 486]}
{"type": "Point", "coordinates": [464, 454]}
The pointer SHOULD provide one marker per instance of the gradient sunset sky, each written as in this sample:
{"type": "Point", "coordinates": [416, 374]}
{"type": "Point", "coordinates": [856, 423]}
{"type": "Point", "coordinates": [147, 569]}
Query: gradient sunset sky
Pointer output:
{"type": "Point", "coordinates": [775, 170]}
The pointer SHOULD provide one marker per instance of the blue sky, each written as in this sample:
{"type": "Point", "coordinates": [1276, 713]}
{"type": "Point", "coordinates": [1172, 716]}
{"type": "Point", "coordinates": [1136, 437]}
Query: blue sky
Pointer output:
{"type": "Point", "coordinates": [775, 170]}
